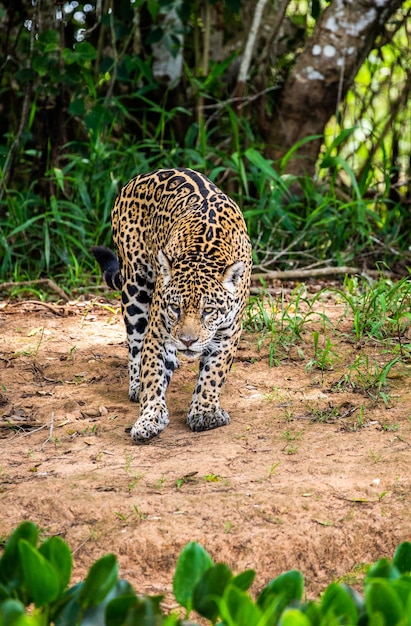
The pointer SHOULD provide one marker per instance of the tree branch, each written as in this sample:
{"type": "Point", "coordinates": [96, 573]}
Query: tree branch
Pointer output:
{"type": "Point", "coordinates": [344, 35]}
{"type": "Point", "coordinates": [249, 48]}
{"type": "Point", "coordinates": [321, 272]}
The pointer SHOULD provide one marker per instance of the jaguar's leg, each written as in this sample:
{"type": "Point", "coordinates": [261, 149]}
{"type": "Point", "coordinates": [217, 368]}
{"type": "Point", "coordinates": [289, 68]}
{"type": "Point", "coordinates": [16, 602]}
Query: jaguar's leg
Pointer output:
{"type": "Point", "coordinates": [158, 362]}
{"type": "Point", "coordinates": [205, 411]}
{"type": "Point", "coordinates": [136, 298]}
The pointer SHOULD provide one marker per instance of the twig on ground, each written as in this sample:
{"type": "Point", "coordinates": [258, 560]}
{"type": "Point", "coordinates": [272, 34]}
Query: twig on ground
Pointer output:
{"type": "Point", "coordinates": [83, 543]}
{"type": "Point", "coordinates": [35, 430]}
{"type": "Point", "coordinates": [41, 281]}
{"type": "Point", "coordinates": [318, 273]}
{"type": "Point", "coordinates": [50, 437]}
{"type": "Point", "coordinates": [54, 308]}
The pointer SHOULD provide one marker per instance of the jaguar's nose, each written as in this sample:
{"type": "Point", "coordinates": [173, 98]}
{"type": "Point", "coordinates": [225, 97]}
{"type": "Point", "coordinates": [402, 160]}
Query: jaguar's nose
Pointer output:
{"type": "Point", "coordinates": [188, 340]}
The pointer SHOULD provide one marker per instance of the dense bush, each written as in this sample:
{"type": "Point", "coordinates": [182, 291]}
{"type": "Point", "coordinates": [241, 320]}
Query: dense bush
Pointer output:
{"type": "Point", "coordinates": [84, 109]}
{"type": "Point", "coordinates": [37, 576]}
{"type": "Point", "coordinates": [317, 225]}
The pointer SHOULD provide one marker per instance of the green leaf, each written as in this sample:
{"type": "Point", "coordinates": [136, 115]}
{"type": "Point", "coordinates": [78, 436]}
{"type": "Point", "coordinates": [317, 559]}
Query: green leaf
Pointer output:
{"type": "Point", "coordinates": [59, 174]}
{"type": "Point", "coordinates": [49, 37]}
{"type": "Point", "coordinates": [25, 226]}
{"type": "Point", "coordinates": [211, 585]}
{"type": "Point", "coordinates": [97, 117]}
{"type": "Point", "coordinates": [402, 557]}
{"type": "Point", "coordinates": [85, 196]}
{"type": "Point", "coordinates": [237, 608]}
{"type": "Point", "coordinates": [57, 552]}
{"type": "Point", "coordinates": [294, 617]}
{"type": "Point", "coordinates": [171, 620]}
{"type": "Point", "coordinates": [85, 51]}
{"type": "Point", "coordinates": [217, 70]}
{"type": "Point", "coordinates": [24, 75]}
{"type": "Point", "coordinates": [102, 577]}
{"type": "Point", "coordinates": [153, 8]}
{"type": "Point", "coordinates": [265, 165]}
{"type": "Point", "coordinates": [69, 56]}
{"type": "Point", "coordinates": [334, 161]}
{"type": "Point", "coordinates": [297, 146]}
{"type": "Point", "coordinates": [40, 577]}
{"type": "Point", "coordinates": [244, 580]}
{"type": "Point", "coordinates": [10, 611]}
{"type": "Point", "coordinates": [4, 593]}
{"type": "Point", "coordinates": [41, 65]}
{"type": "Point", "coordinates": [11, 573]}
{"type": "Point", "coordinates": [289, 586]}
{"type": "Point", "coordinates": [339, 139]}
{"type": "Point", "coordinates": [130, 610]}
{"type": "Point", "coordinates": [82, 54]}
{"type": "Point", "coordinates": [357, 599]}
{"type": "Point", "coordinates": [383, 569]}
{"type": "Point", "coordinates": [312, 610]}
{"type": "Point", "coordinates": [66, 610]}
{"type": "Point", "coordinates": [77, 106]}
{"type": "Point", "coordinates": [117, 609]}
{"type": "Point", "coordinates": [402, 587]}
{"type": "Point", "coordinates": [337, 602]}
{"type": "Point", "coordinates": [193, 561]}
{"type": "Point", "coordinates": [237, 159]}
{"type": "Point", "coordinates": [315, 9]}
{"type": "Point", "coordinates": [381, 598]}
{"type": "Point", "coordinates": [155, 35]}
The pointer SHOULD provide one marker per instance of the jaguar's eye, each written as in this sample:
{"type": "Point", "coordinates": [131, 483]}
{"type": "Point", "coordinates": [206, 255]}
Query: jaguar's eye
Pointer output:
{"type": "Point", "coordinates": [174, 310]}
{"type": "Point", "coordinates": [208, 310]}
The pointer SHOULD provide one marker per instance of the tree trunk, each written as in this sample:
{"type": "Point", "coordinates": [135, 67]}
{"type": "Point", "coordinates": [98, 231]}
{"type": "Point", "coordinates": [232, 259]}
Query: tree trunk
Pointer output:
{"type": "Point", "coordinates": [343, 37]}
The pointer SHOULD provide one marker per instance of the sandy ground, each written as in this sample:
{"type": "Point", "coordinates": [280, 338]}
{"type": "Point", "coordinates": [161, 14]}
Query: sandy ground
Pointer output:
{"type": "Point", "coordinates": [307, 475]}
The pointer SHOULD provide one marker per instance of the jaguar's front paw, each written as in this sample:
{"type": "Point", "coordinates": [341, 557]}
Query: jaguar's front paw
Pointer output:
{"type": "Point", "coordinates": [150, 423]}
{"type": "Point", "coordinates": [206, 420]}
{"type": "Point", "coordinates": [134, 391]}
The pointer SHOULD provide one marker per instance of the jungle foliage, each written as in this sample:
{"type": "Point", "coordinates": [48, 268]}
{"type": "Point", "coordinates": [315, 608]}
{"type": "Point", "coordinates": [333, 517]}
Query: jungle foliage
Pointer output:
{"type": "Point", "coordinates": [93, 94]}
{"type": "Point", "coordinates": [36, 572]}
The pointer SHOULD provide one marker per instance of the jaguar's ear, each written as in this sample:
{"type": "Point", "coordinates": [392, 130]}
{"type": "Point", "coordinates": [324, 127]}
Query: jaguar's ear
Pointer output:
{"type": "Point", "coordinates": [165, 266]}
{"type": "Point", "coordinates": [232, 275]}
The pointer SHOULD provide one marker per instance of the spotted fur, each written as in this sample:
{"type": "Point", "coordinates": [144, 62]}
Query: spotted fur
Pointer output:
{"type": "Point", "coordinates": [184, 265]}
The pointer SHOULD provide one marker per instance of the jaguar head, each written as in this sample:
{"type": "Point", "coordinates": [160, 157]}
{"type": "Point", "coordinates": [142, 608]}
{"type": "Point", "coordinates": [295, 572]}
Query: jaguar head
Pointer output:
{"type": "Point", "coordinates": [198, 302]}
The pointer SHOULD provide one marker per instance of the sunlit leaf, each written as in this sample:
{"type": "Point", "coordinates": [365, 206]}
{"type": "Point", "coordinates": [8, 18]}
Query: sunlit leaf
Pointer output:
{"type": "Point", "coordinates": [101, 578]}
{"type": "Point", "coordinates": [40, 577]}
{"type": "Point", "coordinates": [402, 557]}
{"type": "Point", "coordinates": [193, 561]}
{"type": "Point", "coordinates": [211, 585]}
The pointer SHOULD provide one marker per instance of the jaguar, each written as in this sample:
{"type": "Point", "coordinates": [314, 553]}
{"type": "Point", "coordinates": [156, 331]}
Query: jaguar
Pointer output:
{"type": "Point", "coordinates": [183, 266]}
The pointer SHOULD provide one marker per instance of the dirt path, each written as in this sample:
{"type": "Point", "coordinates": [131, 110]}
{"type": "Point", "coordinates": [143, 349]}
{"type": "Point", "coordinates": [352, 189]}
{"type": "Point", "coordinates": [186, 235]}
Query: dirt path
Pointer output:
{"type": "Point", "coordinates": [304, 476]}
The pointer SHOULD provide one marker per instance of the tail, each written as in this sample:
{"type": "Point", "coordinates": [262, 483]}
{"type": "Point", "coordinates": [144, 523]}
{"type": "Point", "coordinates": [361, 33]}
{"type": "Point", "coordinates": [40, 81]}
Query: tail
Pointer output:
{"type": "Point", "coordinates": [109, 266]}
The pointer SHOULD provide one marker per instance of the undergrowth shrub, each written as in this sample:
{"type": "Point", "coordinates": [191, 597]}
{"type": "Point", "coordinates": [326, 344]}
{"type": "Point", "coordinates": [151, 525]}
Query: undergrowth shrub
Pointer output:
{"type": "Point", "coordinates": [47, 226]}
{"type": "Point", "coordinates": [35, 574]}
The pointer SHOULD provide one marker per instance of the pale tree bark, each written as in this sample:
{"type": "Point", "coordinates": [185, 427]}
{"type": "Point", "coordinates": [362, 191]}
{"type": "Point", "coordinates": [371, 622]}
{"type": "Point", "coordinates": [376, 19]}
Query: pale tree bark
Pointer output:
{"type": "Point", "coordinates": [249, 48]}
{"type": "Point", "coordinates": [343, 37]}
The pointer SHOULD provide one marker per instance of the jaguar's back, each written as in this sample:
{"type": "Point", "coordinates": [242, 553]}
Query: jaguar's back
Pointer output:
{"type": "Point", "coordinates": [180, 212]}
